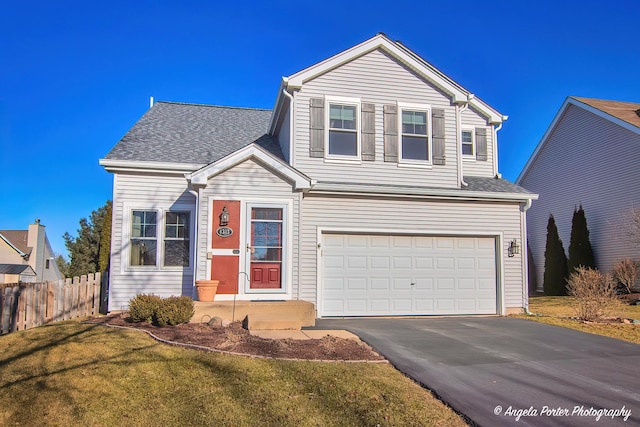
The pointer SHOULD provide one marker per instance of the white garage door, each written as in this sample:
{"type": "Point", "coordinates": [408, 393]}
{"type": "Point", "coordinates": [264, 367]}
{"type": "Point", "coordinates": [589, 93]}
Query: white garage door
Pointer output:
{"type": "Point", "coordinates": [382, 275]}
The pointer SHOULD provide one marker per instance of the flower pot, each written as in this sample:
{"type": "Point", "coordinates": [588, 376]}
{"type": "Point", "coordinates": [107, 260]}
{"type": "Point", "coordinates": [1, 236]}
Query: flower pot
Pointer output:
{"type": "Point", "coordinates": [206, 290]}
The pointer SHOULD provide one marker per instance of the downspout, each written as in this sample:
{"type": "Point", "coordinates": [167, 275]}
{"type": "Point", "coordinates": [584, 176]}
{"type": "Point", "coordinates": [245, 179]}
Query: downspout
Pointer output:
{"type": "Point", "coordinates": [524, 207]}
{"type": "Point", "coordinates": [459, 110]}
{"type": "Point", "coordinates": [291, 126]}
{"type": "Point", "coordinates": [494, 140]}
{"type": "Point", "coordinates": [196, 228]}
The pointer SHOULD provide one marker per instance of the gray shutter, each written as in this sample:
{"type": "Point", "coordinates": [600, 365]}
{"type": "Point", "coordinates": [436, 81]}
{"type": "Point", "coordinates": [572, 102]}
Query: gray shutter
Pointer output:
{"type": "Point", "coordinates": [368, 131]}
{"type": "Point", "coordinates": [390, 133]}
{"type": "Point", "coordinates": [481, 144]}
{"type": "Point", "coordinates": [437, 121]}
{"type": "Point", "coordinates": [316, 127]}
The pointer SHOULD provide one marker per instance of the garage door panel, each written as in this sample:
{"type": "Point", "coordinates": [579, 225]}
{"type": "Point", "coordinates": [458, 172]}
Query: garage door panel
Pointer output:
{"type": "Point", "coordinates": [408, 275]}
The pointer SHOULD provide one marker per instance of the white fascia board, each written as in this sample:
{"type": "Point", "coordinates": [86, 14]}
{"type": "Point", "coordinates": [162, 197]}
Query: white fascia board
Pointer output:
{"type": "Point", "coordinates": [277, 107]}
{"type": "Point", "coordinates": [431, 193]}
{"type": "Point", "coordinates": [492, 115]}
{"type": "Point", "coordinates": [379, 41]}
{"type": "Point", "coordinates": [201, 176]}
{"type": "Point", "coordinates": [140, 166]}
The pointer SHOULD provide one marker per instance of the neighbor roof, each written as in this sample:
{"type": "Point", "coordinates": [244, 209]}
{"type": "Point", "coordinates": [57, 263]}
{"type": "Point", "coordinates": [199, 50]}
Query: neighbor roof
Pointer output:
{"type": "Point", "coordinates": [24, 269]}
{"type": "Point", "coordinates": [193, 133]}
{"type": "Point", "coordinates": [627, 111]}
{"type": "Point", "coordinates": [18, 239]}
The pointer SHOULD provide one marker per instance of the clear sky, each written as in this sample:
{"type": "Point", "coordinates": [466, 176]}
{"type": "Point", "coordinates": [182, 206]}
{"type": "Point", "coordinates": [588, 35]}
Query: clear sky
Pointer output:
{"type": "Point", "coordinates": [75, 76]}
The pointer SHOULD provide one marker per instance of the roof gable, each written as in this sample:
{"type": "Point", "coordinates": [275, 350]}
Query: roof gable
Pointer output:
{"type": "Point", "coordinates": [400, 53]}
{"type": "Point", "coordinates": [616, 112]}
{"type": "Point", "coordinates": [254, 152]}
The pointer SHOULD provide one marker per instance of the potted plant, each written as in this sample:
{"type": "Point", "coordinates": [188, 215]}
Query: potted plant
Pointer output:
{"type": "Point", "coordinates": [207, 289]}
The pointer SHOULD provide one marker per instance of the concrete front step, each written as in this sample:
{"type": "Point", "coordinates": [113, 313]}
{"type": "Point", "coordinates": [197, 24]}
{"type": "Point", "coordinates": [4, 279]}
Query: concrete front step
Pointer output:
{"type": "Point", "coordinates": [258, 315]}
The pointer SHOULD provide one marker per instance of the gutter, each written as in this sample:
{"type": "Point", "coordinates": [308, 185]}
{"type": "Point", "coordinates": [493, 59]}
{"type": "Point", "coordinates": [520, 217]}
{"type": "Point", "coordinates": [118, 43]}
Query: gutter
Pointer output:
{"type": "Point", "coordinates": [196, 230]}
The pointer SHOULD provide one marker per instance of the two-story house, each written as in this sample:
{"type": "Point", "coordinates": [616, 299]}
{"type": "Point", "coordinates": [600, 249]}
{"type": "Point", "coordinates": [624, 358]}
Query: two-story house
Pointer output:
{"type": "Point", "coordinates": [26, 256]}
{"type": "Point", "coordinates": [371, 188]}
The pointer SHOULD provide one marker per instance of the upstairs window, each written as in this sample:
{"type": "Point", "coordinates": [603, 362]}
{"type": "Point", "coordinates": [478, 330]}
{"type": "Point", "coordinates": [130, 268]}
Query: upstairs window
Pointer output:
{"type": "Point", "coordinates": [343, 130]}
{"type": "Point", "coordinates": [143, 238]}
{"type": "Point", "coordinates": [415, 136]}
{"type": "Point", "coordinates": [468, 143]}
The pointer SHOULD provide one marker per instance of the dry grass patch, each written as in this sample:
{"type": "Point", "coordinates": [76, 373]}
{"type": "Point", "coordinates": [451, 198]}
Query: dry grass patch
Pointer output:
{"type": "Point", "coordinates": [559, 311]}
{"type": "Point", "coordinates": [76, 374]}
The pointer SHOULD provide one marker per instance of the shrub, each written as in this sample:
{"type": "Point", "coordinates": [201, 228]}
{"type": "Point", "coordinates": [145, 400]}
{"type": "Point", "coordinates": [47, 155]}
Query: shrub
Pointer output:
{"type": "Point", "coordinates": [626, 272]}
{"type": "Point", "coordinates": [142, 307]}
{"type": "Point", "coordinates": [594, 293]}
{"type": "Point", "coordinates": [580, 249]}
{"type": "Point", "coordinates": [173, 311]}
{"type": "Point", "coordinates": [555, 262]}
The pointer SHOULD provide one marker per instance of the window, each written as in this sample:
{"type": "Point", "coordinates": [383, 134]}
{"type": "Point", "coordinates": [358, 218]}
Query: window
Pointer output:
{"type": "Point", "coordinates": [343, 130]}
{"type": "Point", "coordinates": [143, 238]}
{"type": "Point", "coordinates": [467, 142]}
{"type": "Point", "coordinates": [415, 136]}
{"type": "Point", "coordinates": [46, 264]}
{"type": "Point", "coordinates": [176, 239]}
{"type": "Point", "coordinates": [160, 238]}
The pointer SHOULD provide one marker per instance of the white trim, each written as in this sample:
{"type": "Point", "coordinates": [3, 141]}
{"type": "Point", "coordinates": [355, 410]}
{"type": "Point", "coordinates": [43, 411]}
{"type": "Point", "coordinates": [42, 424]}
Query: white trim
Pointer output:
{"type": "Point", "coordinates": [161, 209]}
{"type": "Point", "coordinates": [201, 176]}
{"type": "Point", "coordinates": [567, 102]}
{"type": "Point", "coordinates": [498, 235]}
{"type": "Point", "coordinates": [142, 166]}
{"type": "Point", "coordinates": [349, 102]}
{"type": "Point", "coordinates": [421, 108]}
{"type": "Point", "coordinates": [417, 192]}
{"type": "Point", "coordinates": [243, 282]}
{"type": "Point", "coordinates": [286, 270]}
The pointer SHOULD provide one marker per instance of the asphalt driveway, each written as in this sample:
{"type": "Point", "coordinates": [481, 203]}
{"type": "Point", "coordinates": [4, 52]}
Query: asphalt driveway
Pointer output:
{"type": "Point", "coordinates": [506, 371]}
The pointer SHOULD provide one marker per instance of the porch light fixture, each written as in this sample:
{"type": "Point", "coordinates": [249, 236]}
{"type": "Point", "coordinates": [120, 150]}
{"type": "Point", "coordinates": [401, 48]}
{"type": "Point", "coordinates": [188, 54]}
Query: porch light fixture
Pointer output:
{"type": "Point", "coordinates": [513, 249]}
{"type": "Point", "coordinates": [224, 217]}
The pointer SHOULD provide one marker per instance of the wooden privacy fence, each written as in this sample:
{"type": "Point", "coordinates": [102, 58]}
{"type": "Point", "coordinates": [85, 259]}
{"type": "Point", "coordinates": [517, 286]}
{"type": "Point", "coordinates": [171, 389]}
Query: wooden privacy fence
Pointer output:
{"type": "Point", "coordinates": [27, 305]}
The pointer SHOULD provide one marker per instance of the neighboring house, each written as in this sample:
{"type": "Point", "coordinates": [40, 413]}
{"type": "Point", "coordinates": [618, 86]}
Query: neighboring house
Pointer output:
{"type": "Point", "coordinates": [371, 189]}
{"type": "Point", "coordinates": [589, 155]}
{"type": "Point", "coordinates": [26, 256]}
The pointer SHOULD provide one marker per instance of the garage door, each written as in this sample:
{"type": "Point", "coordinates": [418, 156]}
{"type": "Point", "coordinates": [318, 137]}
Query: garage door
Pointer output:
{"type": "Point", "coordinates": [383, 275]}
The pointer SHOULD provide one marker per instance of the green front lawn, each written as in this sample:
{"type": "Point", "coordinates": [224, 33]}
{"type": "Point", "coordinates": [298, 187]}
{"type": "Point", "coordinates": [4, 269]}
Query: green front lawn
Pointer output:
{"type": "Point", "coordinates": [70, 373]}
{"type": "Point", "coordinates": [558, 311]}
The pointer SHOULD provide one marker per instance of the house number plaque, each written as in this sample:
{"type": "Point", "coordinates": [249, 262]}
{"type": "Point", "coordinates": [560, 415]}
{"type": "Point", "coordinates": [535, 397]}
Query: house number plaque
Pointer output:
{"type": "Point", "coordinates": [224, 231]}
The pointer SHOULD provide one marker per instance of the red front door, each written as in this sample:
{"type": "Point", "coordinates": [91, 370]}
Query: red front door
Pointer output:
{"type": "Point", "coordinates": [266, 248]}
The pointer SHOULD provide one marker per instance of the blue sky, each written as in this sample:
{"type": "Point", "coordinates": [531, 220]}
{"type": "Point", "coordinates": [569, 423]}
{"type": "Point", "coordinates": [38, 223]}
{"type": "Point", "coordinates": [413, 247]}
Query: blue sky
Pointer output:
{"type": "Point", "coordinates": [75, 76]}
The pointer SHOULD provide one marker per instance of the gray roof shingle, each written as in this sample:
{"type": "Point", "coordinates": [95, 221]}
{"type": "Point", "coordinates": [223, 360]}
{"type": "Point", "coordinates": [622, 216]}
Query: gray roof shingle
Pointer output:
{"type": "Point", "coordinates": [193, 133]}
{"type": "Point", "coordinates": [492, 185]}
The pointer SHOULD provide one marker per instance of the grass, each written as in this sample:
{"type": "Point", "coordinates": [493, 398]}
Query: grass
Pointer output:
{"type": "Point", "coordinates": [70, 373]}
{"type": "Point", "coordinates": [558, 310]}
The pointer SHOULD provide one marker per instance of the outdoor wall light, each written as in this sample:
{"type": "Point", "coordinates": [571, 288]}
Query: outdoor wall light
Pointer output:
{"type": "Point", "coordinates": [513, 248]}
{"type": "Point", "coordinates": [224, 217]}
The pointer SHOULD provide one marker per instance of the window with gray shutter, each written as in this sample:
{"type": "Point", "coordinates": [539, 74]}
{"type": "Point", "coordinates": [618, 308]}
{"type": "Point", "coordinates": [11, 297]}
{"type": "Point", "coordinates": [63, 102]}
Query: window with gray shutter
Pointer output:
{"type": "Point", "coordinates": [316, 127]}
{"type": "Point", "coordinates": [437, 121]}
{"type": "Point", "coordinates": [390, 133]}
{"type": "Point", "coordinates": [368, 131]}
{"type": "Point", "coordinates": [481, 144]}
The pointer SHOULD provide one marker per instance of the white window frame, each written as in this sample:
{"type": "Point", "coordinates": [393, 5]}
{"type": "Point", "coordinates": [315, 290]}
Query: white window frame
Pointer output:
{"type": "Point", "coordinates": [471, 156]}
{"type": "Point", "coordinates": [160, 237]}
{"type": "Point", "coordinates": [423, 108]}
{"type": "Point", "coordinates": [351, 102]}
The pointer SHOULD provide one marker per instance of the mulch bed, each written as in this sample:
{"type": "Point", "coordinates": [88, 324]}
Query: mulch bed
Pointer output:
{"type": "Point", "coordinates": [235, 339]}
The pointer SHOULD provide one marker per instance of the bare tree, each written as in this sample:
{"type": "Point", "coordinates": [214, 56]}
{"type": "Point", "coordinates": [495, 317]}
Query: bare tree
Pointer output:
{"type": "Point", "coordinates": [632, 226]}
{"type": "Point", "coordinates": [626, 272]}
